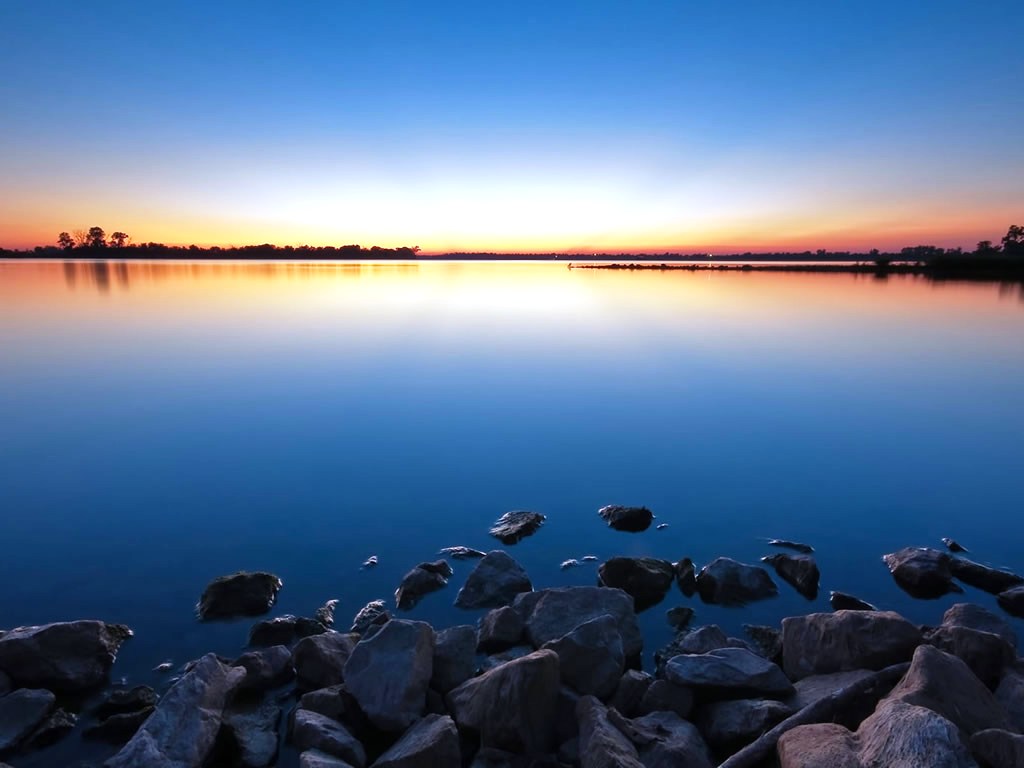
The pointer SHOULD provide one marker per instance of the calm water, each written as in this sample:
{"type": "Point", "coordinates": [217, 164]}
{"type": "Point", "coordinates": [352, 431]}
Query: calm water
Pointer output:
{"type": "Point", "coordinates": [162, 424]}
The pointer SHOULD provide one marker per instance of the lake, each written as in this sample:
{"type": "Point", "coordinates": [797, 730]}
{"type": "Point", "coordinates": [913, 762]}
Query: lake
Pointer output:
{"type": "Point", "coordinates": [166, 423]}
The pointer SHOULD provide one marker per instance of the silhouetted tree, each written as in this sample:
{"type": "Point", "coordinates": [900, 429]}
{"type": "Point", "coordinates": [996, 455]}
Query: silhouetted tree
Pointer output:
{"type": "Point", "coordinates": [64, 241]}
{"type": "Point", "coordinates": [1013, 241]}
{"type": "Point", "coordinates": [985, 248]}
{"type": "Point", "coordinates": [97, 237]}
{"type": "Point", "coordinates": [81, 238]}
{"type": "Point", "coordinates": [118, 239]}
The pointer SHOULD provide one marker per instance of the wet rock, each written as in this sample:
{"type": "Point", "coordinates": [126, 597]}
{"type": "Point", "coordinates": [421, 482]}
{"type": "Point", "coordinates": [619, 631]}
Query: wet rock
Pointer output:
{"type": "Point", "coordinates": [461, 553]}
{"type": "Point", "coordinates": [630, 692]}
{"type": "Point", "coordinates": [998, 749]}
{"type": "Point", "coordinates": [123, 700]}
{"type": "Point", "coordinates": [313, 731]}
{"type": "Point", "coordinates": [767, 641]}
{"type": "Point", "coordinates": [266, 668]}
{"type": "Point", "coordinates": [675, 743]}
{"type": "Point", "coordinates": [21, 713]}
{"type": "Point", "coordinates": [500, 629]}
{"type": "Point", "coordinates": [319, 660]}
{"type": "Point", "coordinates": [661, 526]}
{"type": "Point", "coordinates": [796, 546]}
{"type": "Point", "coordinates": [64, 657]}
{"type": "Point", "coordinates": [551, 613]}
{"type": "Point", "coordinates": [799, 571]}
{"type": "Point", "coordinates": [117, 729]}
{"type": "Point", "coordinates": [590, 657]}
{"type": "Point", "coordinates": [601, 744]}
{"type": "Point", "coordinates": [734, 724]}
{"type": "Point", "coordinates": [421, 580]}
{"type": "Point", "coordinates": [728, 671]}
{"type": "Point", "coordinates": [679, 618]}
{"type": "Point", "coordinates": [589, 559]}
{"type": "Point", "coordinates": [922, 572]}
{"type": "Point", "coordinates": [314, 758]}
{"type": "Point", "coordinates": [570, 563]}
{"type": "Point", "coordinates": [370, 618]}
{"type": "Point", "coordinates": [240, 594]}
{"type": "Point", "coordinates": [727, 582]}
{"type": "Point", "coordinates": [840, 601]}
{"type": "Point", "coordinates": [664, 696]}
{"type": "Point", "coordinates": [686, 577]}
{"type": "Point", "coordinates": [820, 643]}
{"type": "Point", "coordinates": [952, 545]}
{"type": "Point", "coordinates": [629, 519]}
{"type": "Point", "coordinates": [284, 630]}
{"type": "Point", "coordinates": [431, 741]}
{"type": "Point", "coordinates": [454, 657]}
{"type": "Point", "coordinates": [494, 582]}
{"type": "Point", "coordinates": [514, 526]}
{"type": "Point", "coordinates": [1010, 694]}
{"type": "Point", "coordinates": [991, 580]}
{"type": "Point", "coordinates": [645, 579]}
{"type": "Point", "coordinates": [511, 707]}
{"type": "Point", "coordinates": [368, 563]}
{"type": "Point", "coordinates": [183, 728]}
{"type": "Point", "coordinates": [254, 733]}
{"type": "Point", "coordinates": [985, 651]}
{"type": "Point", "coordinates": [388, 674]}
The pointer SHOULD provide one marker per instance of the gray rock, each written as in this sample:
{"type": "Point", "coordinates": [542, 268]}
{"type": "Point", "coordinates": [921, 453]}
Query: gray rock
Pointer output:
{"type": "Point", "coordinates": [124, 700]}
{"type": "Point", "coordinates": [503, 657]}
{"type": "Point", "coordinates": [500, 628]}
{"type": "Point", "coordinates": [117, 729]}
{"type": "Point", "coordinates": [240, 594]}
{"type": "Point", "coordinates": [985, 653]}
{"type": "Point", "coordinates": [725, 581]}
{"type": "Point", "coordinates": [899, 735]}
{"type": "Point", "coordinates": [629, 519]}
{"type": "Point", "coordinates": [494, 582]}
{"type": "Point", "coordinates": [21, 713]}
{"type": "Point", "coordinates": [686, 577]}
{"type": "Point", "coordinates": [676, 743]}
{"type": "Point", "coordinates": [817, 687]}
{"type": "Point", "coordinates": [975, 617]}
{"type": "Point", "coordinates": [182, 730]}
{"type": "Point", "coordinates": [922, 572]}
{"type": "Point", "coordinates": [645, 579]}
{"type": "Point", "coordinates": [421, 580]}
{"type": "Point", "coordinates": [511, 707]}
{"type": "Point", "coordinates": [796, 546]}
{"type": "Point", "coordinates": [266, 668]}
{"type": "Point", "coordinates": [663, 696]}
{"type": "Point", "coordinates": [630, 692]}
{"type": "Point", "coordinates": [313, 731]}
{"type": "Point", "coordinates": [431, 741]}
{"type": "Point", "coordinates": [734, 724]}
{"type": "Point", "coordinates": [58, 725]}
{"type": "Point", "coordinates": [840, 601]}
{"type": "Point", "coordinates": [314, 758]}
{"type": "Point", "coordinates": [454, 657]}
{"type": "Point", "coordinates": [705, 639]}
{"type": "Point", "coordinates": [679, 617]}
{"type": "Point", "coordinates": [952, 545]}
{"type": "Point", "coordinates": [1010, 694]}
{"type": "Point", "coordinates": [64, 657]}
{"type": "Point", "coordinates": [1011, 601]}
{"type": "Point", "coordinates": [284, 630]}
{"type": "Point", "coordinates": [255, 734]}
{"type": "Point", "coordinates": [601, 744]}
{"type": "Point", "coordinates": [767, 641]}
{"type": "Point", "coordinates": [514, 526]}
{"type": "Point", "coordinates": [319, 660]}
{"type": "Point", "coordinates": [991, 580]}
{"type": "Point", "coordinates": [799, 571]}
{"type": "Point", "coordinates": [728, 671]}
{"type": "Point", "coordinates": [388, 673]}
{"type": "Point", "coordinates": [590, 657]}
{"type": "Point", "coordinates": [551, 613]}
{"type": "Point", "coordinates": [336, 703]}
{"type": "Point", "coordinates": [999, 749]}
{"type": "Point", "coordinates": [821, 643]}
{"type": "Point", "coordinates": [461, 553]}
{"type": "Point", "coordinates": [370, 618]}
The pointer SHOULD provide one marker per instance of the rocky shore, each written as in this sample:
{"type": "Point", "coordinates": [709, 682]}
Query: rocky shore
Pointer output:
{"type": "Point", "coordinates": [551, 677]}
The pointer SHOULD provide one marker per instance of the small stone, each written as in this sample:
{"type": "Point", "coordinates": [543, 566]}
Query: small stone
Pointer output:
{"type": "Point", "coordinates": [629, 519]}
{"type": "Point", "coordinates": [421, 580]}
{"type": "Point", "coordinates": [461, 553]}
{"type": "Point", "coordinates": [679, 618]}
{"type": "Point", "coordinates": [840, 601]}
{"type": "Point", "coordinates": [512, 527]}
{"type": "Point", "coordinates": [240, 594]}
{"type": "Point", "coordinates": [370, 618]}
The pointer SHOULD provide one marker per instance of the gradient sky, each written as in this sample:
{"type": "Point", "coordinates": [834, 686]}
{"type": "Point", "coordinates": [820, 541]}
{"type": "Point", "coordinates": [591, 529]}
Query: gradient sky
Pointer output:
{"type": "Point", "coordinates": [569, 126]}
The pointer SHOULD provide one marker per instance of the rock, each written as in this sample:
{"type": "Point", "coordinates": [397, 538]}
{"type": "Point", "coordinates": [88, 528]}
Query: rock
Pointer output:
{"type": "Point", "coordinates": [734, 724]}
{"type": "Point", "coordinates": [661, 526]}
{"type": "Point", "coordinates": [1010, 694]}
{"type": "Point", "coordinates": [590, 657]}
{"type": "Point", "coordinates": [500, 628]}
{"type": "Point", "coordinates": [313, 731]}
{"type": "Point", "coordinates": [511, 707]}
{"type": "Point", "coordinates": [629, 519]}
{"type": "Point", "coordinates": [255, 734]}
{"type": "Point", "coordinates": [509, 654]}
{"type": "Point", "coordinates": [421, 580]}
{"type": "Point", "coordinates": [431, 741]}
{"type": "Point", "coordinates": [570, 563]}
{"type": "Point", "coordinates": [952, 545]}
{"type": "Point", "coordinates": [985, 653]}
{"type": "Point", "coordinates": [999, 749]}
{"type": "Point", "coordinates": [767, 641]}
{"type": "Point", "coordinates": [182, 730]}
{"type": "Point", "coordinates": [820, 643]}
{"type": "Point", "coordinates": [665, 696]}
{"type": "Point", "coordinates": [646, 579]}
{"type": "Point", "coordinates": [686, 577]}
{"type": "Point", "coordinates": [65, 657]}
{"type": "Point", "coordinates": [944, 684]}
{"type": "Point", "coordinates": [370, 562]}
{"type": "Point", "coordinates": [983, 577]}
{"type": "Point", "coordinates": [6, 686]}
{"type": "Point", "coordinates": [240, 594]}
{"type": "Point", "coordinates": [840, 601]}
{"type": "Point", "coordinates": [566, 726]}
{"type": "Point", "coordinates": [117, 729]}
{"type": "Point", "coordinates": [1011, 601]}
{"type": "Point", "coordinates": [975, 617]}
{"type": "Point", "coordinates": [514, 526]}
{"type": "Point", "coordinates": [370, 618]}
{"type": "Point", "coordinates": [824, 745]}
{"type": "Point", "coordinates": [461, 553]}
{"type": "Point", "coordinates": [727, 582]}
{"type": "Point", "coordinates": [121, 701]}
{"type": "Point", "coordinates": [817, 687]}
{"type": "Point", "coordinates": [796, 546]}
{"type": "Point", "coordinates": [700, 640]}
{"type": "Point", "coordinates": [266, 668]}
{"type": "Point", "coordinates": [551, 613]}
{"type": "Point", "coordinates": [676, 743]}
{"type": "Point", "coordinates": [21, 713]}
{"type": "Point", "coordinates": [601, 744]}
{"type": "Point", "coordinates": [922, 572]}
{"type": "Point", "coordinates": [729, 671]}
{"type": "Point", "coordinates": [569, 751]}
{"type": "Point", "coordinates": [454, 657]}
{"type": "Point", "coordinates": [53, 729]}
{"type": "Point", "coordinates": [314, 758]}
{"type": "Point", "coordinates": [325, 613]}
{"type": "Point", "coordinates": [319, 660]}
{"type": "Point", "coordinates": [679, 617]}
{"type": "Point", "coordinates": [630, 692]}
{"type": "Point", "coordinates": [494, 582]}
{"type": "Point", "coordinates": [799, 571]}
{"type": "Point", "coordinates": [284, 630]}
{"type": "Point", "coordinates": [388, 673]}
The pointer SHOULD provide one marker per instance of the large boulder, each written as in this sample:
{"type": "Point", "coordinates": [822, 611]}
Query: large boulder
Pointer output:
{"type": "Point", "coordinates": [853, 710]}
{"type": "Point", "coordinates": [670, 742]}
{"type": "Point", "coordinates": [454, 657]}
{"type": "Point", "coordinates": [983, 577]}
{"type": "Point", "coordinates": [552, 613]}
{"type": "Point", "coordinates": [799, 571]}
{"type": "Point", "coordinates": [421, 580]}
{"type": "Point", "coordinates": [388, 673]}
{"type": "Point", "coordinates": [998, 749]}
{"type": "Point", "coordinates": [590, 657]}
{"type": "Point", "coordinates": [629, 519]}
{"type": "Point", "coordinates": [664, 696]}
{"type": "Point", "coordinates": [284, 630]}
{"type": "Point", "coordinates": [980, 638]}
{"type": "Point", "coordinates": [182, 730]}
{"type": "Point", "coordinates": [1010, 694]}
{"type": "Point", "coordinates": [500, 628]}
{"type": "Point", "coordinates": [646, 579]}
{"type": "Point", "coordinates": [730, 672]}
{"type": "Point", "coordinates": [602, 744]}
{"type": "Point", "coordinates": [319, 660]}
{"type": "Point", "coordinates": [313, 731]}
{"type": "Point", "coordinates": [725, 581]}
{"type": "Point", "coordinates": [922, 572]}
{"type": "Point", "coordinates": [494, 582]}
{"type": "Point", "coordinates": [265, 668]}
{"type": "Point", "coordinates": [981, 619]}
{"type": "Point", "coordinates": [630, 692]}
{"type": "Point", "coordinates": [64, 657]}
{"type": "Point", "coordinates": [734, 724]}
{"type": "Point", "coordinates": [511, 707]}
{"type": "Point", "coordinates": [820, 643]}
{"type": "Point", "coordinates": [431, 741]}
{"type": "Point", "coordinates": [240, 594]}
{"type": "Point", "coordinates": [516, 525]}
{"type": "Point", "coordinates": [21, 713]}
{"type": "Point", "coordinates": [254, 733]}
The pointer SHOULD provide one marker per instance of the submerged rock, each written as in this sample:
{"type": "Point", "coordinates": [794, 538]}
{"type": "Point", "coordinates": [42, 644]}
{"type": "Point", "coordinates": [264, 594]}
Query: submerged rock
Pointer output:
{"type": "Point", "coordinates": [991, 580]}
{"type": "Point", "coordinates": [494, 582]}
{"type": "Point", "coordinates": [240, 594]}
{"type": "Point", "coordinates": [370, 562]}
{"type": "Point", "coordinates": [117, 729]}
{"type": "Point", "coordinates": [952, 545]}
{"type": "Point", "coordinates": [679, 618]}
{"type": "Point", "coordinates": [840, 601]}
{"type": "Point", "coordinates": [629, 519]}
{"type": "Point", "coordinates": [421, 580]}
{"type": "Point", "coordinates": [922, 572]}
{"type": "Point", "coordinates": [728, 582]}
{"type": "Point", "coordinates": [686, 577]}
{"type": "Point", "coordinates": [63, 657]}
{"type": "Point", "coordinates": [796, 546]}
{"type": "Point", "coordinates": [570, 563]}
{"type": "Point", "coordinates": [799, 571]}
{"type": "Point", "coordinates": [514, 526]}
{"type": "Point", "coordinates": [370, 618]}
{"type": "Point", "coordinates": [461, 553]}
{"type": "Point", "coordinates": [551, 613]}
{"type": "Point", "coordinates": [646, 579]}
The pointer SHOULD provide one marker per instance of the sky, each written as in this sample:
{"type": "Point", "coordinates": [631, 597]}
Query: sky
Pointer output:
{"type": "Point", "coordinates": [535, 126]}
